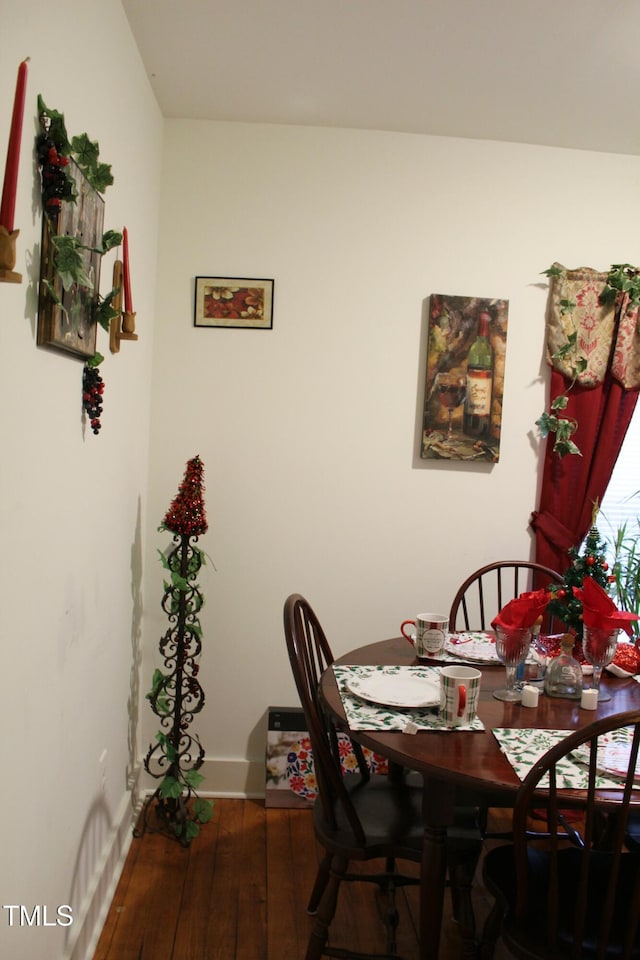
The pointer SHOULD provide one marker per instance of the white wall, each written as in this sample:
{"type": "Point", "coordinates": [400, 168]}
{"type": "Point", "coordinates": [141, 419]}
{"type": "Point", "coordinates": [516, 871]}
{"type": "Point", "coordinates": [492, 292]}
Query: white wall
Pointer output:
{"type": "Point", "coordinates": [309, 432]}
{"type": "Point", "coordinates": [72, 505]}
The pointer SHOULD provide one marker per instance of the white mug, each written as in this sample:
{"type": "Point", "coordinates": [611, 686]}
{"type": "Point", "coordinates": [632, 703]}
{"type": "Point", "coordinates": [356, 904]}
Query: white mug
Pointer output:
{"type": "Point", "coordinates": [459, 692]}
{"type": "Point", "coordinates": [428, 635]}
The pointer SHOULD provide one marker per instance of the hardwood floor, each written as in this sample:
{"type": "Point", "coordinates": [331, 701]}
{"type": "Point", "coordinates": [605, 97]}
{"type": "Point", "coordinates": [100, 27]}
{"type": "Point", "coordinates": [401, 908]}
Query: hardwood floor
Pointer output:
{"type": "Point", "coordinates": [240, 893]}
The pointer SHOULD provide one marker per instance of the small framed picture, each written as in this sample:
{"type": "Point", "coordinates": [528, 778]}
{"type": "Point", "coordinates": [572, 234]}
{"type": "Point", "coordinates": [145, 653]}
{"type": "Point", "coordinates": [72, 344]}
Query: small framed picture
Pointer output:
{"type": "Point", "coordinates": [234, 302]}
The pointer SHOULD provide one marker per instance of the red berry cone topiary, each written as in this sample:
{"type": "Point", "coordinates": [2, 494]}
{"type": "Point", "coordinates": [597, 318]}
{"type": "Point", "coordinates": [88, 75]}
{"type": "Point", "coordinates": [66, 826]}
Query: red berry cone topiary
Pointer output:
{"type": "Point", "coordinates": [187, 515]}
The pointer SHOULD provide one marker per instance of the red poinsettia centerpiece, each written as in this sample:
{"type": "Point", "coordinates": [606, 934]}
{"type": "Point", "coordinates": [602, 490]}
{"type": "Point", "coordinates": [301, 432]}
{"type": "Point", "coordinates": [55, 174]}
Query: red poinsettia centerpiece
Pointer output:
{"type": "Point", "coordinates": [599, 611]}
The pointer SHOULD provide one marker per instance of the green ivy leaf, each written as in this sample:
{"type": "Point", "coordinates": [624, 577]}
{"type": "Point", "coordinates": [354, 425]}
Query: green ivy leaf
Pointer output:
{"type": "Point", "coordinates": [580, 365]}
{"type": "Point", "coordinates": [203, 810]}
{"type": "Point", "coordinates": [622, 278]}
{"type": "Point", "coordinates": [86, 151]}
{"type": "Point", "coordinates": [552, 272]}
{"type": "Point", "coordinates": [608, 295]}
{"type": "Point", "coordinates": [546, 424]}
{"type": "Point", "coordinates": [191, 830]}
{"type": "Point", "coordinates": [101, 177]}
{"type": "Point", "coordinates": [51, 290]}
{"type": "Point", "coordinates": [566, 306]}
{"type": "Point", "coordinates": [567, 347]}
{"type": "Point", "coordinates": [70, 263]}
{"type": "Point", "coordinates": [111, 239]}
{"type": "Point", "coordinates": [560, 403]}
{"type": "Point", "coordinates": [95, 360]}
{"type": "Point", "coordinates": [170, 788]}
{"type": "Point", "coordinates": [157, 680]}
{"type": "Point", "coordinates": [179, 582]}
{"type": "Point", "coordinates": [564, 447]}
{"type": "Point", "coordinates": [104, 312]}
{"type": "Point", "coordinates": [193, 779]}
{"type": "Point", "coordinates": [565, 428]}
{"type": "Point", "coordinates": [160, 701]}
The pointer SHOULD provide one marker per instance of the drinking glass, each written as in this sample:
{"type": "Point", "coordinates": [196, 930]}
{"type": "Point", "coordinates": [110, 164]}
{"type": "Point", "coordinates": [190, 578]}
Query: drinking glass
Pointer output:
{"type": "Point", "coordinates": [451, 391]}
{"type": "Point", "coordinates": [599, 647]}
{"type": "Point", "coordinates": [512, 647]}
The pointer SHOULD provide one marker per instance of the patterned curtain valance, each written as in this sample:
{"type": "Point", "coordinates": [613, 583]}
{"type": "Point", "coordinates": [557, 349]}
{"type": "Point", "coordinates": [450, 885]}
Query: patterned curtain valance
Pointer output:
{"type": "Point", "coordinates": [607, 334]}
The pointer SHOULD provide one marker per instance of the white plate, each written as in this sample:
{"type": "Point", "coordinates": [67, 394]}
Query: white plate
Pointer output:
{"type": "Point", "coordinates": [478, 649]}
{"type": "Point", "coordinates": [613, 757]}
{"type": "Point", "coordinates": [394, 690]}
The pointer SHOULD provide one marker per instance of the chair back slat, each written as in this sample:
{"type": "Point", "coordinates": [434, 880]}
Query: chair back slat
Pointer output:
{"type": "Point", "coordinates": [489, 588]}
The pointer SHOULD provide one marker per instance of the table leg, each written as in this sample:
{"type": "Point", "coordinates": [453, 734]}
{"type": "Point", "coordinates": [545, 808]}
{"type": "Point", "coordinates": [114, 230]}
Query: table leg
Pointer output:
{"type": "Point", "coordinates": [437, 810]}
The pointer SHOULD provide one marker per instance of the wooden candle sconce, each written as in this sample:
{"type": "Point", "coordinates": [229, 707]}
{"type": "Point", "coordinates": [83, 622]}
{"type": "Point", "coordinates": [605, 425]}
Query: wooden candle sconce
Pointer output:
{"type": "Point", "coordinates": [124, 325]}
{"type": "Point", "coordinates": [8, 256]}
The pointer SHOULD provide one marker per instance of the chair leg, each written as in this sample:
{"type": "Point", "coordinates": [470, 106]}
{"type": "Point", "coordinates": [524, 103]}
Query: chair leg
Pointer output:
{"type": "Point", "coordinates": [320, 884]}
{"type": "Point", "coordinates": [392, 918]}
{"type": "Point", "coordinates": [326, 910]}
{"type": "Point", "coordinates": [461, 875]}
{"type": "Point", "coordinates": [490, 932]}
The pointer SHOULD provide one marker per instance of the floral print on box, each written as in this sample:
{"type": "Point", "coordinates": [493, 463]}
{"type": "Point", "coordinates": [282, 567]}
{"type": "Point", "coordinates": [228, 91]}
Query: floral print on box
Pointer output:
{"type": "Point", "coordinates": [301, 774]}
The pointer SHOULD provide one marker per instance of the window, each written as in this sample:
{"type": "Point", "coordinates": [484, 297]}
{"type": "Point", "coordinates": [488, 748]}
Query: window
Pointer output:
{"type": "Point", "coordinates": [621, 502]}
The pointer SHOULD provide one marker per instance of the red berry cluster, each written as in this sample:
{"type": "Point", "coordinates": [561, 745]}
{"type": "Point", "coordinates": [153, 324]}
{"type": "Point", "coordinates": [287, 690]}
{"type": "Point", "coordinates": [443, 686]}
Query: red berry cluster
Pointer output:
{"type": "Point", "coordinates": [92, 390]}
{"type": "Point", "coordinates": [56, 186]}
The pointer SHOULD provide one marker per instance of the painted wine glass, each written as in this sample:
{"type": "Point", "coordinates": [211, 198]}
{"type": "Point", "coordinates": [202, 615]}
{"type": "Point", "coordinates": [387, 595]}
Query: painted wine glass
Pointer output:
{"type": "Point", "coordinates": [512, 647]}
{"type": "Point", "coordinates": [599, 647]}
{"type": "Point", "coordinates": [451, 390]}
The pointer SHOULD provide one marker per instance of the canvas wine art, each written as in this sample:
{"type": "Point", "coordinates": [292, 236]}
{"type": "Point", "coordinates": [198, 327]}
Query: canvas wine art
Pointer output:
{"type": "Point", "coordinates": [464, 381]}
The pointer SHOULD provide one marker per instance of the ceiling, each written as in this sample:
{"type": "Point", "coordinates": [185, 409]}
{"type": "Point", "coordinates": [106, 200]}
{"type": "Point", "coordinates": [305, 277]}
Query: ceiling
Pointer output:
{"type": "Point", "coordinates": [562, 73]}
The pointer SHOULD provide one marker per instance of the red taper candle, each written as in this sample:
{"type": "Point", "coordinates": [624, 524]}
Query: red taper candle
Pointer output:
{"type": "Point", "coordinates": [10, 187]}
{"type": "Point", "coordinates": [126, 275]}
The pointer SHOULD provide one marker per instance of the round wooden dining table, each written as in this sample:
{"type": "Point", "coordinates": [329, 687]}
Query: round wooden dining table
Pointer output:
{"type": "Point", "coordinates": [461, 767]}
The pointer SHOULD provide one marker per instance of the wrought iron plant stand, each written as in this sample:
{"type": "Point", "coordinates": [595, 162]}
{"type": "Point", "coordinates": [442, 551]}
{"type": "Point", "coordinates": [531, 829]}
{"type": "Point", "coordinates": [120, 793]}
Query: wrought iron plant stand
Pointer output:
{"type": "Point", "coordinates": [176, 695]}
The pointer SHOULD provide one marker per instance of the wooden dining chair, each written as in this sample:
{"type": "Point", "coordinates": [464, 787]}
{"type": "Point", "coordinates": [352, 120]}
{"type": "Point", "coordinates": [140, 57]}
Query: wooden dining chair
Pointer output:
{"type": "Point", "coordinates": [489, 588]}
{"type": "Point", "coordinates": [363, 816]}
{"type": "Point", "coordinates": [560, 900]}
{"type": "Point", "coordinates": [478, 600]}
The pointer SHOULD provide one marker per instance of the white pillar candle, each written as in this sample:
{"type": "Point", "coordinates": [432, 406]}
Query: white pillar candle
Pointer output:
{"type": "Point", "coordinates": [589, 699]}
{"type": "Point", "coordinates": [530, 695]}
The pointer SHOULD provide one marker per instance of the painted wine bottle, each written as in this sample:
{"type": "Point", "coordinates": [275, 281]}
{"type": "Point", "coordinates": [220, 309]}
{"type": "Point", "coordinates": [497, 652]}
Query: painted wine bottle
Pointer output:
{"type": "Point", "coordinates": [477, 410]}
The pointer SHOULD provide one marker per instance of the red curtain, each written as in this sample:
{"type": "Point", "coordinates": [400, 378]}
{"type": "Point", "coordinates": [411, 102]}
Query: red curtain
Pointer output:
{"type": "Point", "coordinates": [571, 485]}
{"type": "Point", "coordinates": [602, 403]}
